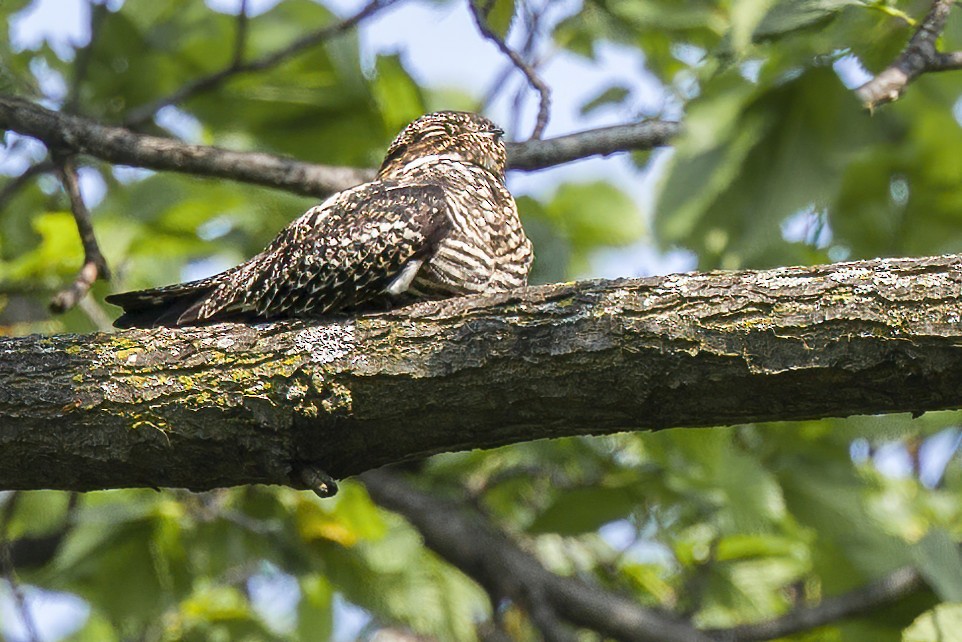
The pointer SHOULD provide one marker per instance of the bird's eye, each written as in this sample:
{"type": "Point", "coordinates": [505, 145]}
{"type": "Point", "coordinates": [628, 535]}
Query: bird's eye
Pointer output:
{"type": "Point", "coordinates": [498, 133]}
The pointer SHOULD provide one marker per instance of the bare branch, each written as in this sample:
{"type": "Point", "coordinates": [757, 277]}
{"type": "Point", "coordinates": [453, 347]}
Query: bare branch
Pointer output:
{"type": "Point", "coordinates": [947, 61]}
{"type": "Point", "coordinates": [141, 114]}
{"type": "Point", "coordinates": [505, 570]}
{"type": "Point", "coordinates": [866, 599]}
{"type": "Point", "coordinates": [95, 265]}
{"type": "Point", "coordinates": [544, 92]}
{"type": "Point", "coordinates": [918, 57]}
{"type": "Point", "coordinates": [539, 154]}
{"type": "Point", "coordinates": [124, 147]}
{"type": "Point", "coordinates": [472, 544]}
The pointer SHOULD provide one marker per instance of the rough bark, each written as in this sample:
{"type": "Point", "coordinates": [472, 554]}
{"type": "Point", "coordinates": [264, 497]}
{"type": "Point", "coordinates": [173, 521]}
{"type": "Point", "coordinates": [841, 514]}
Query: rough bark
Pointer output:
{"type": "Point", "coordinates": [235, 404]}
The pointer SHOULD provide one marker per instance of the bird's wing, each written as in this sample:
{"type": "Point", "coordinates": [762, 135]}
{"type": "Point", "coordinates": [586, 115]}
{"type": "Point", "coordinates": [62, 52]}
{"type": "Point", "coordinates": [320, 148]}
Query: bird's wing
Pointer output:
{"type": "Point", "coordinates": [337, 256]}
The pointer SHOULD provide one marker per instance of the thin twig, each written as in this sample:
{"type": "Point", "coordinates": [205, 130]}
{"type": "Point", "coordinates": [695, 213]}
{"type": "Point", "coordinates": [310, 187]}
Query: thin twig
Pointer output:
{"type": "Point", "coordinates": [895, 586]}
{"type": "Point", "coordinates": [12, 187]}
{"type": "Point", "coordinates": [98, 12]}
{"type": "Point", "coordinates": [10, 572]}
{"type": "Point", "coordinates": [919, 56]}
{"type": "Point", "coordinates": [95, 265]}
{"type": "Point", "coordinates": [141, 114]}
{"type": "Point", "coordinates": [240, 39]}
{"type": "Point", "coordinates": [544, 92]}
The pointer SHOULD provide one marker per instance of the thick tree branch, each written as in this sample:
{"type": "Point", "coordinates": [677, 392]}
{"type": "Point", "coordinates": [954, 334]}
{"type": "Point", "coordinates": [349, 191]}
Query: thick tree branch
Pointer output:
{"type": "Point", "coordinates": [918, 57]}
{"type": "Point", "coordinates": [124, 147]}
{"type": "Point", "coordinates": [508, 572]}
{"type": "Point", "coordinates": [235, 404]}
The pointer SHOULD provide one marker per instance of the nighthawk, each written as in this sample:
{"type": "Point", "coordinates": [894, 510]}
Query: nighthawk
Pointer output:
{"type": "Point", "coordinates": [437, 221]}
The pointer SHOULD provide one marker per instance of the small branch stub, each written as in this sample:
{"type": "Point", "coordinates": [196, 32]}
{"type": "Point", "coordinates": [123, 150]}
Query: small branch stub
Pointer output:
{"type": "Point", "coordinates": [95, 265]}
{"type": "Point", "coordinates": [920, 55]}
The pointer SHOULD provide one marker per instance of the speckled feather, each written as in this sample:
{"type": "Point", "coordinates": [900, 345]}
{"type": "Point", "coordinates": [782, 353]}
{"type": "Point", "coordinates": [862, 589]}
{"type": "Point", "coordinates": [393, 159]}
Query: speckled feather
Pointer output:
{"type": "Point", "coordinates": [437, 222]}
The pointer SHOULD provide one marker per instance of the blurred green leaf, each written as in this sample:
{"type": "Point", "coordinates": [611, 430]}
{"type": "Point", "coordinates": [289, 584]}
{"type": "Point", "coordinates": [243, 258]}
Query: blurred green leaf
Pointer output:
{"type": "Point", "coordinates": [591, 215]}
{"type": "Point", "coordinates": [315, 619]}
{"type": "Point", "coordinates": [396, 578]}
{"type": "Point", "coordinates": [746, 16]}
{"type": "Point", "coordinates": [937, 556]}
{"type": "Point", "coordinates": [497, 15]}
{"type": "Point", "coordinates": [749, 161]}
{"type": "Point", "coordinates": [582, 510]}
{"type": "Point", "coordinates": [59, 253]}
{"type": "Point", "coordinates": [941, 624]}
{"type": "Point", "coordinates": [398, 96]}
{"type": "Point", "coordinates": [791, 15]}
{"type": "Point", "coordinates": [609, 96]}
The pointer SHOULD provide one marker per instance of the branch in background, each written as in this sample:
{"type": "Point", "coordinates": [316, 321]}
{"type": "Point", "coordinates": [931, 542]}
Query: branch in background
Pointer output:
{"type": "Point", "coordinates": [540, 154]}
{"type": "Point", "coordinates": [13, 186]}
{"type": "Point", "coordinates": [240, 37]}
{"type": "Point", "coordinates": [544, 92]}
{"type": "Point", "coordinates": [508, 572]}
{"type": "Point", "coordinates": [124, 147]}
{"type": "Point", "coordinates": [98, 12]}
{"type": "Point", "coordinates": [864, 600]}
{"type": "Point", "coordinates": [9, 571]}
{"type": "Point", "coordinates": [95, 265]}
{"type": "Point", "coordinates": [34, 551]}
{"type": "Point", "coordinates": [918, 57]}
{"type": "Point", "coordinates": [139, 115]}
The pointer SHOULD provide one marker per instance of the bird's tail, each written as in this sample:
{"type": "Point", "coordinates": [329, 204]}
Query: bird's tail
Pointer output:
{"type": "Point", "coordinates": [166, 306]}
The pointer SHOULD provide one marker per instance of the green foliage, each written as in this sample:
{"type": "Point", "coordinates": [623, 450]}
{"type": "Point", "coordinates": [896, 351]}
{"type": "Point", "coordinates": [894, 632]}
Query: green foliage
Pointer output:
{"type": "Point", "coordinates": [724, 526]}
{"type": "Point", "coordinates": [496, 14]}
{"type": "Point", "coordinates": [941, 624]}
{"type": "Point", "coordinates": [575, 221]}
{"type": "Point", "coordinates": [938, 559]}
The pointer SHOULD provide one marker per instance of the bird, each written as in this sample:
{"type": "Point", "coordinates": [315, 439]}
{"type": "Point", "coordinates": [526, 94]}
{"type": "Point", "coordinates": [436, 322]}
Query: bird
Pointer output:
{"type": "Point", "coordinates": [436, 222]}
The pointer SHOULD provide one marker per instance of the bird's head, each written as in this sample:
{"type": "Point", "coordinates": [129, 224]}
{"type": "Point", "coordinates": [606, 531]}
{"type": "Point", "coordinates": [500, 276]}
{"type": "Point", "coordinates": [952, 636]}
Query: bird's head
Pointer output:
{"type": "Point", "coordinates": [460, 135]}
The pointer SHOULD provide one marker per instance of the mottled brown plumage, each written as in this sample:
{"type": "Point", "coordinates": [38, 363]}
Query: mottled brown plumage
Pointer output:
{"type": "Point", "coordinates": [437, 222]}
